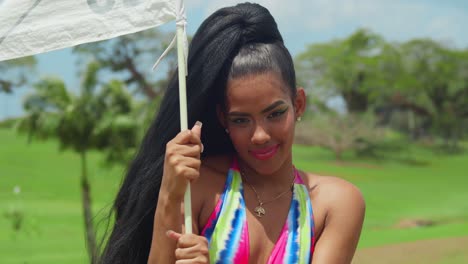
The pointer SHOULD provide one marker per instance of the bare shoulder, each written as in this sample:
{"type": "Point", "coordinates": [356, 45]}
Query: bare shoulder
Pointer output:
{"type": "Point", "coordinates": [339, 210]}
{"type": "Point", "coordinates": [338, 190]}
{"type": "Point", "coordinates": [333, 196]}
{"type": "Point", "coordinates": [332, 189]}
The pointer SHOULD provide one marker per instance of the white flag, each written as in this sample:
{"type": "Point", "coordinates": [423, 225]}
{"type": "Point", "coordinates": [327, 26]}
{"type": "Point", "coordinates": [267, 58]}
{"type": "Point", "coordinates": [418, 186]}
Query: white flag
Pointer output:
{"type": "Point", "coordinates": [28, 27]}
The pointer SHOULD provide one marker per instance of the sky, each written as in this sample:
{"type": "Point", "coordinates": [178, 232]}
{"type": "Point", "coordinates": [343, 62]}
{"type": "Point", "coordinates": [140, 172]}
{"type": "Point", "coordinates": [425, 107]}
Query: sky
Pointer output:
{"type": "Point", "coordinates": [302, 22]}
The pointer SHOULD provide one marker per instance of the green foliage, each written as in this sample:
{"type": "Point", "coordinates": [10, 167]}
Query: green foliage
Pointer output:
{"type": "Point", "coordinates": [421, 77]}
{"type": "Point", "coordinates": [440, 85]}
{"type": "Point", "coordinates": [16, 73]}
{"type": "Point", "coordinates": [129, 58]}
{"type": "Point", "coordinates": [342, 67]}
{"type": "Point", "coordinates": [100, 117]}
{"type": "Point", "coordinates": [8, 122]}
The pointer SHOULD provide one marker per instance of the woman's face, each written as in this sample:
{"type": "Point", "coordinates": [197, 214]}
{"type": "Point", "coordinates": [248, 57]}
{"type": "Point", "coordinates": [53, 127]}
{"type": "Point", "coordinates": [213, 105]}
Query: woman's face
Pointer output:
{"type": "Point", "coordinates": [260, 116]}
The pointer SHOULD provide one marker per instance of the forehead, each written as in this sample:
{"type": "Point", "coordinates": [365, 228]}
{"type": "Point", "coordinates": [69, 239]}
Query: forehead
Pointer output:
{"type": "Point", "coordinates": [256, 90]}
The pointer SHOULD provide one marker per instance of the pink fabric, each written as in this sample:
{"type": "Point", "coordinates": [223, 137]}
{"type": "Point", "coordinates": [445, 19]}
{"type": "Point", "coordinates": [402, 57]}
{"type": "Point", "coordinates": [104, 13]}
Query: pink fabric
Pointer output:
{"type": "Point", "coordinates": [280, 247]}
{"type": "Point", "coordinates": [212, 216]}
{"type": "Point", "coordinates": [242, 255]}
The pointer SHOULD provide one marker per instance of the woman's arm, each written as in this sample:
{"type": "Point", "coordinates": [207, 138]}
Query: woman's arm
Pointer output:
{"type": "Point", "coordinates": [167, 217]}
{"type": "Point", "coordinates": [343, 222]}
{"type": "Point", "coordinates": [181, 164]}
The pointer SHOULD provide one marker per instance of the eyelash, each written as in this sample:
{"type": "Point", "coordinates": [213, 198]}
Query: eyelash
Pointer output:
{"type": "Point", "coordinates": [277, 114]}
{"type": "Point", "coordinates": [243, 120]}
{"type": "Point", "coordinates": [239, 121]}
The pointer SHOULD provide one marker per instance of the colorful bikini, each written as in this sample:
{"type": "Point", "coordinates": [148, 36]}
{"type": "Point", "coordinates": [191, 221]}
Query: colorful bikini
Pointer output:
{"type": "Point", "coordinates": [227, 230]}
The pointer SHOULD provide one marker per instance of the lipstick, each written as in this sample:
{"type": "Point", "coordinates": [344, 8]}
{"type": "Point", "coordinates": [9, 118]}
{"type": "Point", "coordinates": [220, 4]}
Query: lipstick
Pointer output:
{"type": "Point", "coordinates": [264, 153]}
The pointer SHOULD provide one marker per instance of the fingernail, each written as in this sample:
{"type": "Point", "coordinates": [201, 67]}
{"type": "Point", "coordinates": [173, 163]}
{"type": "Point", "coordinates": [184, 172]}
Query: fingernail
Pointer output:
{"type": "Point", "coordinates": [198, 123]}
{"type": "Point", "coordinates": [168, 233]}
{"type": "Point", "coordinates": [202, 148]}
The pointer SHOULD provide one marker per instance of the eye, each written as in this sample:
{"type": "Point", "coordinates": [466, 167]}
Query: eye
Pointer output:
{"type": "Point", "coordinates": [239, 120]}
{"type": "Point", "coordinates": [278, 113]}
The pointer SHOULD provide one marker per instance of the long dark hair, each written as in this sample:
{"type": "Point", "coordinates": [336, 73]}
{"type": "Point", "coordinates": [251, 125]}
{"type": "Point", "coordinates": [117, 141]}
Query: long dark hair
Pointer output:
{"type": "Point", "coordinates": [232, 42]}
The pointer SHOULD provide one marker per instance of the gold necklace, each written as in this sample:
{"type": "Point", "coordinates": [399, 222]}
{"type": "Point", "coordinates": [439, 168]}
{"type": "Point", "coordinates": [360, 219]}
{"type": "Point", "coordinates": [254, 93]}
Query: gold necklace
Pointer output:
{"type": "Point", "coordinates": [260, 210]}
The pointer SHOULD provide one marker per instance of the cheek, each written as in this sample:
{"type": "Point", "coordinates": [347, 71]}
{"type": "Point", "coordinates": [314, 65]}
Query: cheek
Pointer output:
{"type": "Point", "coordinates": [285, 129]}
{"type": "Point", "coordinates": [239, 137]}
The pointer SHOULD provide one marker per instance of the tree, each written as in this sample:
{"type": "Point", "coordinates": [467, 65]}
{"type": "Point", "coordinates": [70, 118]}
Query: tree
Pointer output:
{"type": "Point", "coordinates": [338, 133]}
{"type": "Point", "coordinates": [16, 73]}
{"type": "Point", "coordinates": [343, 67]}
{"type": "Point", "coordinates": [439, 85]}
{"type": "Point", "coordinates": [100, 117]}
{"type": "Point", "coordinates": [422, 80]}
{"type": "Point", "coordinates": [399, 103]}
{"type": "Point", "coordinates": [130, 58]}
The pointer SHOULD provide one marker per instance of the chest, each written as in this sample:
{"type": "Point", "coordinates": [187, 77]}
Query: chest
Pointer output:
{"type": "Point", "coordinates": [238, 235]}
{"type": "Point", "coordinates": [264, 232]}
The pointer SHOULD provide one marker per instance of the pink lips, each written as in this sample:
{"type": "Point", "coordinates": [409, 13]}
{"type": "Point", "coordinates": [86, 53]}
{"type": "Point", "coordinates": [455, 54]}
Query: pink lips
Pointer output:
{"type": "Point", "coordinates": [264, 153]}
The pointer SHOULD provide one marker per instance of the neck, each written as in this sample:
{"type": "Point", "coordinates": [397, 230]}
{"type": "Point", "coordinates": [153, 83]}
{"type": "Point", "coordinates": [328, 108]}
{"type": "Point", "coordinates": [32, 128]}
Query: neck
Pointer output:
{"type": "Point", "coordinates": [269, 183]}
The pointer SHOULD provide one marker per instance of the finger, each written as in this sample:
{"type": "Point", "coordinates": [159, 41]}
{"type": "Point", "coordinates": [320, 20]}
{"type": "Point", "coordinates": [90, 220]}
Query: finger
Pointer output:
{"type": "Point", "coordinates": [181, 138]}
{"type": "Point", "coordinates": [186, 253]}
{"type": "Point", "coordinates": [194, 163]}
{"type": "Point", "coordinates": [191, 240]}
{"type": "Point", "coordinates": [196, 129]}
{"type": "Point", "coordinates": [188, 150]}
{"type": "Point", "coordinates": [184, 137]}
{"type": "Point", "coordinates": [188, 261]}
{"type": "Point", "coordinates": [173, 235]}
{"type": "Point", "coordinates": [192, 135]}
{"type": "Point", "coordinates": [181, 162]}
{"type": "Point", "coordinates": [191, 246]}
{"type": "Point", "coordinates": [188, 173]}
{"type": "Point", "coordinates": [198, 259]}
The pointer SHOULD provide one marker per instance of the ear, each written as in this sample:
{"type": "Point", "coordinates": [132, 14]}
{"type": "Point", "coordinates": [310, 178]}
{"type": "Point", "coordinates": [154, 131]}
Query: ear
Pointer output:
{"type": "Point", "coordinates": [300, 102]}
{"type": "Point", "coordinates": [221, 116]}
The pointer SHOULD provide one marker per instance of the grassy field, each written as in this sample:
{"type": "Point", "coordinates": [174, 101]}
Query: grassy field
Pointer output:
{"type": "Point", "coordinates": [440, 251]}
{"type": "Point", "coordinates": [413, 194]}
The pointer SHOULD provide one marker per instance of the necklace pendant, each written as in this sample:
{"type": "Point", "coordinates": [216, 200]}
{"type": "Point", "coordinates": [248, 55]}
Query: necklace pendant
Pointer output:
{"type": "Point", "coordinates": [260, 211]}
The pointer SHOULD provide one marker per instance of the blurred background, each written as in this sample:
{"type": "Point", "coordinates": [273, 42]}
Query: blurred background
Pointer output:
{"type": "Point", "coordinates": [387, 87]}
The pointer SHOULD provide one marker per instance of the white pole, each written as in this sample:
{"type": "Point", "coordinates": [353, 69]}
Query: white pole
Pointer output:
{"type": "Point", "coordinates": [183, 120]}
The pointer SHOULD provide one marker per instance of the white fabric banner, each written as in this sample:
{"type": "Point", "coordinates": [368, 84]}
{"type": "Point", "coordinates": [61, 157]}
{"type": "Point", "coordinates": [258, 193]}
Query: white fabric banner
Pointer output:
{"type": "Point", "coordinates": [28, 27]}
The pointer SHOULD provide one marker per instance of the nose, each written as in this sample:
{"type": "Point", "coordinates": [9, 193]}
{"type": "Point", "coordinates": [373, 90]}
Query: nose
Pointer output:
{"type": "Point", "coordinates": [260, 135]}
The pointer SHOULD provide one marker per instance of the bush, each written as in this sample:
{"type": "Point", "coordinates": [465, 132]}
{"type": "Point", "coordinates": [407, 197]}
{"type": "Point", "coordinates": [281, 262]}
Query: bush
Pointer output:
{"type": "Point", "coordinates": [339, 133]}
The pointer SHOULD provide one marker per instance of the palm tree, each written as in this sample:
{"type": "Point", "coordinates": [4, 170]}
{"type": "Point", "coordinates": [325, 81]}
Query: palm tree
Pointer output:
{"type": "Point", "coordinates": [100, 117]}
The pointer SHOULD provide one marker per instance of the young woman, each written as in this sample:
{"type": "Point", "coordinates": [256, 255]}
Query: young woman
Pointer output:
{"type": "Point", "coordinates": [249, 203]}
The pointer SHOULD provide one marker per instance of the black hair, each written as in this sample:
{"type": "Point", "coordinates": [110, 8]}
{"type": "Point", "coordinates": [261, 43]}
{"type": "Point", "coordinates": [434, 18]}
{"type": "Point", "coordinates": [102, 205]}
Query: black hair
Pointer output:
{"type": "Point", "coordinates": [258, 58]}
{"type": "Point", "coordinates": [232, 42]}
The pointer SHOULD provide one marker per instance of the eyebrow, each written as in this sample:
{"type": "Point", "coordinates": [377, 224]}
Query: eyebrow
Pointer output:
{"type": "Point", "coordinates": [267, 109]}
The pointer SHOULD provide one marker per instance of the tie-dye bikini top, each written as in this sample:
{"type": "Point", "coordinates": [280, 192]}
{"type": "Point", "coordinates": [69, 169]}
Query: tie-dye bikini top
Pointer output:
{"type": "Point", "coordinates": [227, 230]}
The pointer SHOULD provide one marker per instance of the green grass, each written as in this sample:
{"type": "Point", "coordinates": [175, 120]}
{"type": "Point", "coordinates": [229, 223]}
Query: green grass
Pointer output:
{"type": "Point", "coordinates": [414, 182]}
{"type": "Point", "coordinates": [50, 200]}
